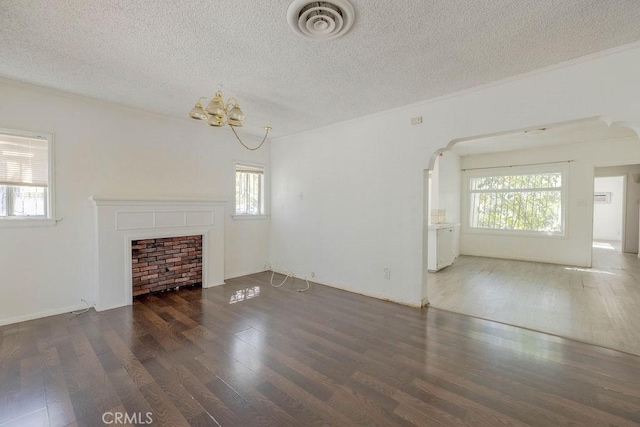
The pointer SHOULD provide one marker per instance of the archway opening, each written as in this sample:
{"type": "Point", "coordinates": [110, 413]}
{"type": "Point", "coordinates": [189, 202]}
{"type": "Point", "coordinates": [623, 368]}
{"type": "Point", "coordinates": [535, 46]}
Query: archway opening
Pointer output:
{"type": "Point", "coordinates": [525, 202]}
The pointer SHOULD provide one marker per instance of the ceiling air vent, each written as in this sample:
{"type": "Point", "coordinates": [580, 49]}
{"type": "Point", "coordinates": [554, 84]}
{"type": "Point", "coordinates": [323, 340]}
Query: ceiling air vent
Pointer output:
{"type": "Point", "coordinates": [320, 20]}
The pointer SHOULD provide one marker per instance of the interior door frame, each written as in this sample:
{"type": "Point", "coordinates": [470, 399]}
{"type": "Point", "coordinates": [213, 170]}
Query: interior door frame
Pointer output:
{"type": "Point", "coordinates": [623, 236]}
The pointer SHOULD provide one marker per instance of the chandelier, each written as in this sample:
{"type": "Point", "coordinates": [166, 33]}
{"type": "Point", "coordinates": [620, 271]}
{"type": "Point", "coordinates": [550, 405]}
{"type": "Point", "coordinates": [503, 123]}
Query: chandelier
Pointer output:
{"type": "Point", "coordinates": [217, 113]}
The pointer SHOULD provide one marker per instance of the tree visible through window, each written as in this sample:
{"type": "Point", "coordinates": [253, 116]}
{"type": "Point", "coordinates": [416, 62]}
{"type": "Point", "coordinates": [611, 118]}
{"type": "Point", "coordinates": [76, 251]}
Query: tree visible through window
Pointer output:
{"type": "Point", "coordinates": [24, 175]}
{"type": "Point", "coordinates": [249, 190]}
{"type": "Point", "coordinates": [524, 202]}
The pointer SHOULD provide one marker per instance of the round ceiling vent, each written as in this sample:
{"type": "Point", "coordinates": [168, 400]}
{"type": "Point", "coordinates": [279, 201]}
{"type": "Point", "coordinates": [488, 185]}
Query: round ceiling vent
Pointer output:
{"type": "Point", "coordinates": [320, 20]}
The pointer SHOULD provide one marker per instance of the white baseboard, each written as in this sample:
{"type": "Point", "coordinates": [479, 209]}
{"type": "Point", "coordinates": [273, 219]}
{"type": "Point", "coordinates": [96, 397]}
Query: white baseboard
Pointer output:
{"type": "Point", "coordinates": [246, 273]}
{"type": "Point", "coordinates": [515, 258]}
{"type": "Point", "coordinates": [212, 285]}
{"type": "Point", "coordinates": [357, 291]}
{"type": "Point", "coordinates": [39, 315]}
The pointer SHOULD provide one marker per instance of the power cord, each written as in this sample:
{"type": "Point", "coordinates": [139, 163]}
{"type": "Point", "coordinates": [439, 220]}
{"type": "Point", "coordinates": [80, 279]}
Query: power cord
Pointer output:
{"type": "Point", "coordinates": [83, 311]}
{"type": "Point", "coordinates": [305, 289]}
{"type": "Point", "coordinates": [285, 279]}
{"type": "Point", "coordinates": [277, 286]}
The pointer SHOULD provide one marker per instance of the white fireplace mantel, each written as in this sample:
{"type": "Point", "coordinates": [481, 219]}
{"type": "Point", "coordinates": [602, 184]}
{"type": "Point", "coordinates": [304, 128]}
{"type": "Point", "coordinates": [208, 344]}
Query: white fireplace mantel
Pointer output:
{"type": "Point", "coordinates": [117, 222]}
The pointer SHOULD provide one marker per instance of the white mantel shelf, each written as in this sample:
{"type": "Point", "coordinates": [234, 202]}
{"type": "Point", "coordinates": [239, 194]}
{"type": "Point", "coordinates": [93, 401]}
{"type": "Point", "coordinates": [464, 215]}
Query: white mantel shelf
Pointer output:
{"type": "Point", "coordinates": [118, 222]}
{"type": "Point", "coordinates": [105, 201]}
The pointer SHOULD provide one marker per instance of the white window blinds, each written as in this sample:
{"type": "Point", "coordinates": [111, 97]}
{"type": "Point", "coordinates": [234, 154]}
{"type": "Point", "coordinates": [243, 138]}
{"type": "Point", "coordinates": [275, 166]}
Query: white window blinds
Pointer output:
{"type": "Point", "coordinates": [24, 161]}
{"type": "Point", "coordinates": [249, 190]}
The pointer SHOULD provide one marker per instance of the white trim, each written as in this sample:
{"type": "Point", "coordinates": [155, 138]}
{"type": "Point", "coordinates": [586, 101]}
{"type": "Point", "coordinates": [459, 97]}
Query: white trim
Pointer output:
{"type": "Point", "coordinates": [41, 314]}
{"type": "Point", "coordinates": [247, 273]}
{"type": "Point", "coordinates": [24, 222]}
{"type": "Point", "coordinates": [491, 254]}
{"type": "Point", "coordinates": [245, 217]}
{"type": "Point", "coordinates": [184, 119]}
{"type": "Point", "coordinates": [565, 64]}
{"type": "Point", "coordinates": [357, 291]}
{"type": "Point", "coordinates": [118, 222]}
{"type": "Point", "coordinates": [105, 201]}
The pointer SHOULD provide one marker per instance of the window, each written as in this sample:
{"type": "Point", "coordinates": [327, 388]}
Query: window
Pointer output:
{"type": "Point", "coordinates": [249, 190]}
{"type": "Point", "coordinates": [525, 202]}
{"type": "Point", "coordinates": [25, 190]}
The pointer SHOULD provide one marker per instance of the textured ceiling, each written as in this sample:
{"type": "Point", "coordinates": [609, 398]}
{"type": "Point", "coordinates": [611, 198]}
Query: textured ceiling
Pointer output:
{"type": "Point", "coordinates": [162, 55]}
{"type": "Point", "coordinates": [572, 133]}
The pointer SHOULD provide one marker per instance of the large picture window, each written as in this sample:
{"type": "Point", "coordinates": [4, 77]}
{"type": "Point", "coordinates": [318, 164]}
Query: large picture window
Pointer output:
{"type": "Point", "coordinates": [249, 190]}
{"type": "Point", "coordinates": [520, 202]}
{"type": "Point", "coordinates": [24, 175]}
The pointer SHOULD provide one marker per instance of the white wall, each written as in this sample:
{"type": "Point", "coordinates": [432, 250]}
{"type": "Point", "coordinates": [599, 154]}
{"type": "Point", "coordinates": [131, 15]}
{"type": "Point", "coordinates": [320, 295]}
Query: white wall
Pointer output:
{"type": "Point", "coordinates": [632, 222]}
{"type": "Point", "coordinates": [106, 150]}
{"type": "Point", "coordinates": [607, 217]}
{"type": "Point", "coordinates": [575, 247]}
{"type": "Point", "coordinates": [362, 180]}
{"type": "Point", "coordinates": [434, 189]}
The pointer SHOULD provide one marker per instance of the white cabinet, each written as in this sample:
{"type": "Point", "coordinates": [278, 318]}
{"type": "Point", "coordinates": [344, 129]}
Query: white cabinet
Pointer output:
{"type": "Point", "coordinates": [441, 253]}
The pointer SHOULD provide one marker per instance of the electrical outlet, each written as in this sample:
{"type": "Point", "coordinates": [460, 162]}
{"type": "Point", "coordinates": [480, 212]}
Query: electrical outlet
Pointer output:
{"type": "Point", "coordinates": [416, 120]}
{"type": "Point", "coordinates": [387, 273]}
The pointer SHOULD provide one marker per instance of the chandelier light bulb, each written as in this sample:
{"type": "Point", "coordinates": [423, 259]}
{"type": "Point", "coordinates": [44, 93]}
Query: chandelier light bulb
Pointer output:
{"type": "Point", "coordinates": [236, 114]}
{"type": "Point", "coordinates": [198, 113]}
{"type": "Point", "coordinates": [217, 114]}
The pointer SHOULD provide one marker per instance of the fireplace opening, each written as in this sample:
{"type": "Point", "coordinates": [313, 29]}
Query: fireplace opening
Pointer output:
{"type": "Point", "coordinates": [165, 263]}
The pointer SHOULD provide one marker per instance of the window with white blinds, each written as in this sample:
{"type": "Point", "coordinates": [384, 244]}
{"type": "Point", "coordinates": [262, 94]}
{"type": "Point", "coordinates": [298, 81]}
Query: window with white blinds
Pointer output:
{"type": "Point", "coordinates": [24, 175]}
{"type": "Point", "coordinates": [249, 190]}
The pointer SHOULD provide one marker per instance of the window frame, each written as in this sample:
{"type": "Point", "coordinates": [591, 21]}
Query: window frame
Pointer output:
{"type": "Point", "coordinates": [50, 217]}
{"type": "Point", "coordinates": [265, 191]}
{"type": "Point", "coordinates": [470, 174]}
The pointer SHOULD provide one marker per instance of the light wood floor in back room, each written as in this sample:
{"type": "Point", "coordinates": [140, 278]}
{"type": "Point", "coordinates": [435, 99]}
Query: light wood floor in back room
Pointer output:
{"type": "Point", "coordinates": [247, 354]}
{"type": "Point", "coordinates": [599, 305]}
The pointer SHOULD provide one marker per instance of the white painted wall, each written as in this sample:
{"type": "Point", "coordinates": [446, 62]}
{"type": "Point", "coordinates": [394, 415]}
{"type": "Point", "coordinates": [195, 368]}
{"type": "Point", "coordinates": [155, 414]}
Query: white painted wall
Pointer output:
{"type": "Point", "coordinates": [632, 220]}
{"type": "Point", "coordinates": [607, 217]}
{"type": "Point", "coordinates": [434, 189]}
{"type": "Point", "coordinates": [361, 181]}
{"type": "Point", "coordinates": [106, 150]}
{"type": "Point", "coordinates": [575, 247]}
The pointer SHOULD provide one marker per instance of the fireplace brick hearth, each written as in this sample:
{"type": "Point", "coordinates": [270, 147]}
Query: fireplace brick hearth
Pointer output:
{"type": "Point", "coordinates": [165, 263]}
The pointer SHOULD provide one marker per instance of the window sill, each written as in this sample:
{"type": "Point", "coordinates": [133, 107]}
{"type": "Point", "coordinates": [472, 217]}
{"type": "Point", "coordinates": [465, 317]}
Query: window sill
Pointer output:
{"type": "Point", "coordinates": [27, 222]}
{"type": "Point", "coordinates": [245, 217]}
{"type": "Point", "coordinates": [513, 233]}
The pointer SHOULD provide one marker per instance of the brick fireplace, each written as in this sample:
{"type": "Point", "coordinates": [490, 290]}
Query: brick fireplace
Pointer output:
{"type": "Point", "coordinates": [125, 226]}
{"type": "Point", "coordinates": [165, 263]}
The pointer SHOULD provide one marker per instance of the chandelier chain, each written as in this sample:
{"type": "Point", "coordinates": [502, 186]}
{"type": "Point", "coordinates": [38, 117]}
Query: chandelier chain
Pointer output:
{"type": "Point", "coordinates": [244, 145]}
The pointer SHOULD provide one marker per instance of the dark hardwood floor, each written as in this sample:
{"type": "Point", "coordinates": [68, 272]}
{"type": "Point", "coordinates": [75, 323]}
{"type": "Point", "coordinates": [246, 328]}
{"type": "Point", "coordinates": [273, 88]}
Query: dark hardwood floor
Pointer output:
{"type": "Point", "coordinates": [247, 354]}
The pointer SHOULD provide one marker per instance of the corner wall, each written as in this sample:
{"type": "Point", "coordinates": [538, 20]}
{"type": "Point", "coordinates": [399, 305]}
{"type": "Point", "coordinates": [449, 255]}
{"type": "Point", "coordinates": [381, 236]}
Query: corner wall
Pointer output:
{"type": "Point", "coordinates": [106, 150]}
{"type": "Point", "coordinates": [348, 198]}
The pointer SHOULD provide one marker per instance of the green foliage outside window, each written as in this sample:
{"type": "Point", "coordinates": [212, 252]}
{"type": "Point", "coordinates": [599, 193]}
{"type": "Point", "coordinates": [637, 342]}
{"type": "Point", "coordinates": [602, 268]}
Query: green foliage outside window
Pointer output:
{"type": "Point", "coordinates": [526, 202]}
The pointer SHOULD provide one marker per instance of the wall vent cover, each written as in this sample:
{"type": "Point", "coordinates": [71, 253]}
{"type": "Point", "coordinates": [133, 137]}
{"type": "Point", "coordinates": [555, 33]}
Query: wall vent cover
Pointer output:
{"type": "Point", "coordinates": [320, 20]}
